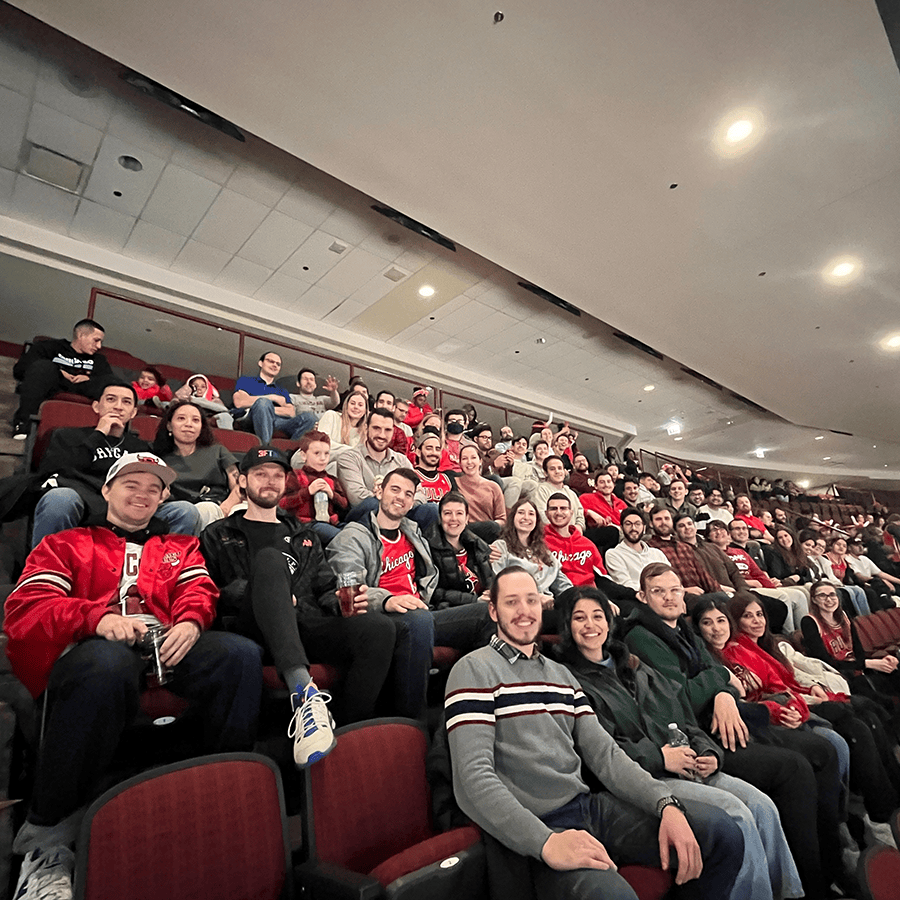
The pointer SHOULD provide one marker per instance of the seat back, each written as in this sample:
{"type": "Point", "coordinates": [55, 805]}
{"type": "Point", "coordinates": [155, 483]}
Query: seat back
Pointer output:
{"type": "Point", "coordinates": [58, 414]}
{"type": "Point", "coordinates": [868, 633]}
{"type": "Point", "coordinates": [369, 798]}
{"type": "Point", "coordinates": [879, 872]}
{"type": "Point", "coordinates": [209, 827]}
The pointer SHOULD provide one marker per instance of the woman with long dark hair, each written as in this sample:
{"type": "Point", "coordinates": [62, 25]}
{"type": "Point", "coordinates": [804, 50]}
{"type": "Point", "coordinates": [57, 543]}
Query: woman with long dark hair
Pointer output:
{"type": "Point", "coordinates": [785, 559]}
{"type": "Point", "coordinates": [871, 752]}
{"type": "Point", "coordinates": [207, 472]}
{"type": "Point", "coordinates": [636, 704]}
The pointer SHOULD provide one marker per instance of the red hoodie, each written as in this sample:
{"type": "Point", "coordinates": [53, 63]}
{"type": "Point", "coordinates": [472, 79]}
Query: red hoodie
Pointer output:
{"type": "Point", "coordinates": [578, 557]}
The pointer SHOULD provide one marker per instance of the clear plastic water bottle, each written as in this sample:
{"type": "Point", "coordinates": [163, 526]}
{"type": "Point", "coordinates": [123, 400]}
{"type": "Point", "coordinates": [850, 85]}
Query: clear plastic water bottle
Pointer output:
{"type": "Point", "coordinates": [677, 738]}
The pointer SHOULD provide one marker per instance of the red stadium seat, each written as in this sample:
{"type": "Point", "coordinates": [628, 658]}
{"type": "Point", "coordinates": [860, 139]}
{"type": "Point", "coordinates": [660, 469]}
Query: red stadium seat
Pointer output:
{"type": "Point", "coordinates": [236, 441]}
{"type": "Point", "coordinates": [58, 414]}
{"type": "Point", "coordinates": [879, 872]}
{"type": "Point", "coordinates": [176, 373]}
{"type": "Point", "coordinates": [146, 427]}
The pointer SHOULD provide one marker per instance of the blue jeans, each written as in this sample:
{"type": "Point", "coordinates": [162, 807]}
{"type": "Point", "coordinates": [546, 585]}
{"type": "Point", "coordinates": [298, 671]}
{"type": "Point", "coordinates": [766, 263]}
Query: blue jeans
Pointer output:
{"type": "Point", "coordinates": [858, 598]}
{"type": "Point", "coordinates": [326, 531]}
{"type": "Point", "coordinates": [418, 631]}
{"type": "Point", "coordinates": [266, 421]}
{"type": "Point", "coordinates": [61, 508]}
{"type": "Point", "coordinates": [423, 514]}
{"type": "Point", "coordinates": [631, 838]}
{"type": "Point", "coordinates": [93, 694]}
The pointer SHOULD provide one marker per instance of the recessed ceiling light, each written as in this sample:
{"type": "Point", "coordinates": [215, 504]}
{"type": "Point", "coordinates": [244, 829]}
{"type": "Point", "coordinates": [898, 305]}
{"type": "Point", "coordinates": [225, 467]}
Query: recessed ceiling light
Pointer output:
{"type": "Point", "coordinates": [825, 458]}
{"type": "Point", "coordinates": [738, 131]}
{"type": "Point", "coordinates": [649, 387]}
{"type": "Point", "coordinates": [426, 291]}
{"type": "Point", "coordinates": [760, 453]}
{"type": "Point", "coordinates": [803, 484]}
{"type": "Point", "coordinates": [842, 270]}
{"type": "Point", "coordinates": [820, 437]}
{"type": "Point", "coordinates": [673, 428]}
{"type": "Point", "coordinates": [890, 342]}
{"type": "Point", "coordinates": [679, 438]}
{"type": "Point", "coordinates": [540, 340]}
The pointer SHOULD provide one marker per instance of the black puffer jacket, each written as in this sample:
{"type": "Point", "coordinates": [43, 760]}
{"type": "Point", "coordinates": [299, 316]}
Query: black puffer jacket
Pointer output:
{"type": "Point", "coordinates": [452, 589]}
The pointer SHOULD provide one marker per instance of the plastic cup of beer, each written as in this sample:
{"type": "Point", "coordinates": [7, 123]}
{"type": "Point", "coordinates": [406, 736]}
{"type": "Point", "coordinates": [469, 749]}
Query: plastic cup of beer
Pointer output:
{"type": "Point", "coordinates": [349, 586]}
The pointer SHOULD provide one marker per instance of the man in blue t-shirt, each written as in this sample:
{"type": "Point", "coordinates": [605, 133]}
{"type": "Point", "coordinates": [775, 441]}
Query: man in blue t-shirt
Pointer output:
{"type": "Point", "coordinates": [265, 406]}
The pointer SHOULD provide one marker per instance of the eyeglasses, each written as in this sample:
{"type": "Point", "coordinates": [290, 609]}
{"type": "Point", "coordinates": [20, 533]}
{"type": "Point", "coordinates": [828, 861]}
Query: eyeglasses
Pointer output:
{"type": "Point", "coordinates": [826, 595]}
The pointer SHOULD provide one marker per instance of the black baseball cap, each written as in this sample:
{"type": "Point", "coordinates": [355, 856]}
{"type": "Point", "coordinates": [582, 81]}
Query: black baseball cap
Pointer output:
{"type": "Point", "coordinates": [259, 456]}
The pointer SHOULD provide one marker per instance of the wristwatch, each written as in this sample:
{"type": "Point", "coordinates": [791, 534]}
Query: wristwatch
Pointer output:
{"type": "Point", "coordinates": [669, 801]}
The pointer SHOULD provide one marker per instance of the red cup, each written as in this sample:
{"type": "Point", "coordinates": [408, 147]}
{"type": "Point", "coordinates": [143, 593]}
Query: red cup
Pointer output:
{"type": "Point", "coordinates": [350, 585]}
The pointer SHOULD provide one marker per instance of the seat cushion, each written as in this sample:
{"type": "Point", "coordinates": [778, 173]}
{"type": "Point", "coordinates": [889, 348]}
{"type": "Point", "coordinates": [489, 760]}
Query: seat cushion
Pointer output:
{"type": "Point", "coordinates": [425, 853]}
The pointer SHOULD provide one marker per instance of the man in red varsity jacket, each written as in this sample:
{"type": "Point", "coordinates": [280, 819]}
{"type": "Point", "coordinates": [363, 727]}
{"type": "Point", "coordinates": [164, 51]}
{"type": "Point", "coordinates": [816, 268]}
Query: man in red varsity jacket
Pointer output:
{"type": "Point", "coordinates": [75, 624]}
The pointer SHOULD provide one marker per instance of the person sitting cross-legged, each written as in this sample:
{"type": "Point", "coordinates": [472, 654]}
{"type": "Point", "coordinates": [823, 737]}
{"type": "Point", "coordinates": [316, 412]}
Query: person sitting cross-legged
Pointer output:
{"type": "Point", "coordinates": [76, 621]}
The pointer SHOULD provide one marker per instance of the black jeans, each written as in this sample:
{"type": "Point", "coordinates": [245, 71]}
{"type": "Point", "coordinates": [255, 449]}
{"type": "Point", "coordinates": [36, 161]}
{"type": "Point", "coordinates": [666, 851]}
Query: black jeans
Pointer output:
{"type": "Point", "coordinates": [295, 636]}
{"type": "Point", "coordinates": [42, 380]}
{"type": "Point", "coordinates": [93, 694]}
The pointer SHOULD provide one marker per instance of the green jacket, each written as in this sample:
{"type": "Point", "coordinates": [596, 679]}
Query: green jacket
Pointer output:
{"type": "Point", "coordinates": [635, 704]}
{"type": "Point", "coordinates": [679, 655]}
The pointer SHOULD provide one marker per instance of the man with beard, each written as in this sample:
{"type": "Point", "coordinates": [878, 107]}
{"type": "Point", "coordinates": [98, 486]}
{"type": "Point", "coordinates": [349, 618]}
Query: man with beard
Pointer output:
{"type": "Point", "coordinates": [504, 701]}
{"type": "Point", "coordinates": [631, 555]}
{"type": "Point", "coordinates": [578, 477]}
{"type": "Point", "coordinates": [714, 508]}
{"type": "Point", "coordinates": [401, 577]}
{"type": "Point", "coordinates": [433, 483]}
{"type": "Point", "coordinates": [556, 484]}
{"type": "Point", "coordinates": [277, 588]}
{"type": "Point", "coordinates": [579, 558]}
{"type": "Point", "coordinates": [743, 510]}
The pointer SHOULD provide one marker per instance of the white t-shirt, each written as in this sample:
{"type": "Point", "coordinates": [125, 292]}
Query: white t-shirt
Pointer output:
{"type": "Point", "coordinates": [862, 565]}
{"type": "Point", "coordinates": [129, 601]}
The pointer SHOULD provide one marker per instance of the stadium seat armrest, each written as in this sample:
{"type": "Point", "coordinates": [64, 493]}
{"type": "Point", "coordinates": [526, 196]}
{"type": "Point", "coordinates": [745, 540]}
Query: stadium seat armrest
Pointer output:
{"type": "Point", "coordinates": [326, 881]}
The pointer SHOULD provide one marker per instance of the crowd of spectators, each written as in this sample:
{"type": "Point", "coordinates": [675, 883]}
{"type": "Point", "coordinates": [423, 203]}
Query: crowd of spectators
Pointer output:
{"type": "Point", "coordinates": [678, 602]}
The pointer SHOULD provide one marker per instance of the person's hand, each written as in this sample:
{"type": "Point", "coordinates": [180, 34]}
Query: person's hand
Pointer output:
{"type": "Point", "coordinates": [575, 849]}
{"type": "Point", "coordinates": [705, 766]}
{"type": "Point", "coordinates": [817, 694]}
{"type": "Point", "coordinates": [331, 383]}
{"type": "Point", "coordinates": [727, 722]}
{"type": "Point", "coordinates": [546, 601]}
{"type": "Point", "coordinates": [679, 760]}
{"type": "Point", "coordinates": [775, 581]}
{"type": "Point", "coordinates": [79, 379]}
{"type": "Point", "coordinates": [403, 603]}
{"type": "Point", "coordinates": [880, 665]}
{"type": "Point", "coordinates": [179, 640]}
{"type": "Point", "coordinates": [614, 609]}
{"type": "Point", "coordinates": [320, 484]}
{"type": "Point", "coordinates": [127, 629]}
{"type": "Point", "coordinates": [496, 553]}
{"type": "Point", "coordinates": [109, 421]}
{"type": "Point", "coordinates": [361, 601]}
{"type": "Point", "coordinates": [789, 717]}
{"type": "Point", "coordinates": [675, 834]}
{"type": "Point", "coordinates": [484, 597]}
{"type": "Point", "coordinates": [693, 590]}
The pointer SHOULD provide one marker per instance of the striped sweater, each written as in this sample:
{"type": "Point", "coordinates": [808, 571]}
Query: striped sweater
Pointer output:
{"type": "Point", "coordinates": [519, 731]}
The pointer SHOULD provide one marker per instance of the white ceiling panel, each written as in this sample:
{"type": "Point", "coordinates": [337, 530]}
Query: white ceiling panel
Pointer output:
{"type": "Point", "coordinates": [351, 227]}
{"type": "Point", "coordinates": [305, 206]}
{"type": "Point", "coordinates": [42, 204]}
{"type": "Point", "coordinates": [63, 134]}
{"type": "Point", "coordinates": [265, 187]}
{"type": "Point", "coordinates": [407, 337]}
{"type": "Point", "coordinates": [282, 290]}
{"type": "Point", "coordinates": [206, 157]}
{"type": "Point", "coordinates": [231, 219]}
{"type": "Point", "coordinates": [7, 183]}
{"type": "Point", "coordinates": [109, 178]}
{"type": "Point", "coordinates": [242, 276]}
{"type": "Point", "coordinates": [373, 290]}
{"type": "Point", "coordinates": [180, 200]}
{"type": "Point", "coordinates": [200, 261]}
{"type": "Point", "coordinates": [154, 244]}
{"type": "Point", "coordinates": [96, 224]}
{"type": "Point", "coordinates": [145, 126]}
{"type": "Point", "coordinates": [344, 314]}
{"type": "Point", "coordinates": [313, 259]}
{"type": "Point", "coordinates": [355, 268]}
{"type": "Point", "coordinates": [14, 116]}
{"type": "Point", "coordinates": [413, 260]}
{"type": "Point", "coordinates": [317, 302]}
{"type": "Point", "coordinates": [93, 106]}
{"type": "Point", "coordinates": [275, 240]}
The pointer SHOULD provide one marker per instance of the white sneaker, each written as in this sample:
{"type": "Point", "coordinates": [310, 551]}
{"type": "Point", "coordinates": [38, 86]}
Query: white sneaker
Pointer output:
{"type": "Point", "coordinates": [46, 875]}
{"type": "Point", "coordinates": [312, 727]}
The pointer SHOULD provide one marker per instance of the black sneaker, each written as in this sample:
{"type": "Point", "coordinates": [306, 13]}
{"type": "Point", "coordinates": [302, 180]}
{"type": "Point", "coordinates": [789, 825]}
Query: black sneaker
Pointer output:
{"type": "Point", "coordinates": [19, 431]}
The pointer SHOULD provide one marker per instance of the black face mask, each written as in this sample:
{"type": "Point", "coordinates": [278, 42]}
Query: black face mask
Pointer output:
{"type": "Point", "coordinates": [430, 429]}
{"type": "Point", "coordinates": [455, 428]}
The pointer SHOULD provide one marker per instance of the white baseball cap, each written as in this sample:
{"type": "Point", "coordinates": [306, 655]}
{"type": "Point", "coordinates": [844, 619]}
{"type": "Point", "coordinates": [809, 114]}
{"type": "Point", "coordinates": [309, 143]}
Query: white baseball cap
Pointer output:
{"type": "Point", "coordinates": [141, 462]}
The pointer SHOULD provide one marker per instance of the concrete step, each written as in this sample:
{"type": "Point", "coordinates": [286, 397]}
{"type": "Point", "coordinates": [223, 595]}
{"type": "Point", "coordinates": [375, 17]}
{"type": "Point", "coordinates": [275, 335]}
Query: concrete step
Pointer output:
{"type": "Point", "coordinates": [9, 447]}
{"type": "Point", "coordinates": [8, 465]}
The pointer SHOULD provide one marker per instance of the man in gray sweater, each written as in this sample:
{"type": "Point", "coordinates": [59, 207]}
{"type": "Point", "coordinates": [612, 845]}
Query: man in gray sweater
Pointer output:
{"type": "Point", "coordinates": [520, 728]}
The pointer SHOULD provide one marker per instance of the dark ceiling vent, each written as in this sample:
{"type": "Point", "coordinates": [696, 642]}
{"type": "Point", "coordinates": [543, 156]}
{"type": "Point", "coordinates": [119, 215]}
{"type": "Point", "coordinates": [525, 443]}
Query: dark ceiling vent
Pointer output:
{"type": "Point", "coordinates": [845, 433]}
{"type": "Point", "coordinates": [701, 377]}
{"type": "Point", "coordinates": [415, 226]}
{"type": "Point", "coordinates": [176, 101]}
{"type": "Point", "coordinates": [550, 298]}
{"type": "Point", "coordinates": [639, 345]}
{"type": "Point", "coordinates": [749, 403]}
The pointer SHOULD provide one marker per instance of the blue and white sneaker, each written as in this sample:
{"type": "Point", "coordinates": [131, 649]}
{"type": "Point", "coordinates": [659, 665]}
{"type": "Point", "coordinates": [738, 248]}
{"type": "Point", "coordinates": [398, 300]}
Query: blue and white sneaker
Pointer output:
{"type": "Point", "coordinates": [46, 875]}
{"type": "Point", "coordinates": [312, 727]}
